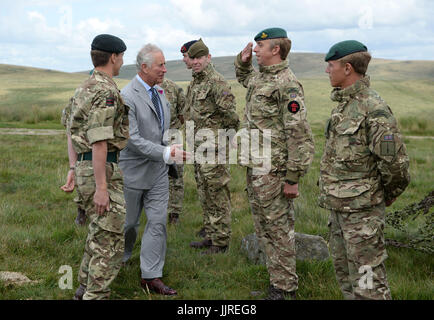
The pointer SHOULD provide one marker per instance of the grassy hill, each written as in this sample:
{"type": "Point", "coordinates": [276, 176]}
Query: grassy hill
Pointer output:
{"type": "Point", "coordinates": [305, 66]}
{"type": "Point", "coordinates": [38, 235]}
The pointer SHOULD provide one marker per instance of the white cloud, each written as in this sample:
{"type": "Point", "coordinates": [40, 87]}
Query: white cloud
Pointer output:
{"type": "Point", "coordinates": [58, 31]}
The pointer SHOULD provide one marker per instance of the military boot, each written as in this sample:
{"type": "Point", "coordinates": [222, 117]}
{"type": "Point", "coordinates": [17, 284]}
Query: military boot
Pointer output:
{"type": "Point", "coordinates": [80, 220]}
{"type": "Point", "coordinates": [215, 249]}
{"type": "Point", "coordinates": [201, 244]}
{"type": "Point", "coordinates": [279, 294]}
{"type": "Point", "coordinates": [80, 292]}
{"type": "Point", "coordinates": [173, 218]}
{"type": "Point", "coordinates": [201, 233]}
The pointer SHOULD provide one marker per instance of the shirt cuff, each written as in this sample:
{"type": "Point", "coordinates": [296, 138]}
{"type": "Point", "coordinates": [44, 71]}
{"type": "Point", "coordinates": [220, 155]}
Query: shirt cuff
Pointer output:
{"type": "Point", "coordinates": [166, 156]}
{"type": "Point", "coordinates": [292, 176]}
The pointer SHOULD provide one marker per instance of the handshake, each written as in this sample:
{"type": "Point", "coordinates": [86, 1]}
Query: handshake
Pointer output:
{"type": "Point", "coordinates": [175, 154]}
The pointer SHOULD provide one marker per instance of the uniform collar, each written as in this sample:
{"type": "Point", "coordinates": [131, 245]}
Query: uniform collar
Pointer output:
{"type": "Point", "coordinates": [102, 76]}
{"type": "Point", "coordinates": [275, 68]}
{"type": "Point", "coordinates": [348, 93]}
{"type": "Point", "coordinates": [200, 75]}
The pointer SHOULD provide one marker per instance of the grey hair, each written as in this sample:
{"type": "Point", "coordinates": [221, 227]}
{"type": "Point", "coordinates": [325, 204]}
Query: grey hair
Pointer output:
{"type": "Point", "coordinates": [146, 56]}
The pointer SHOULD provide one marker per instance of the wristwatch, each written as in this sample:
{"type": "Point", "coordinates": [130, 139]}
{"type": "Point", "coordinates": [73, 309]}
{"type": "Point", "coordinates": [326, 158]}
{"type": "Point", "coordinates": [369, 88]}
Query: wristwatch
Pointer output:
{"type": "Point", "coordinates": [290, 182]}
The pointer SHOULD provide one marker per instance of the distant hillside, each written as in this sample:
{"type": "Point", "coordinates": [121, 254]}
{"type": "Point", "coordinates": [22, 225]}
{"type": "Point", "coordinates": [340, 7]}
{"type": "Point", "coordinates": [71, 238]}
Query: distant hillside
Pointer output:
{"type": "Point", "coordinates": [305, 66]}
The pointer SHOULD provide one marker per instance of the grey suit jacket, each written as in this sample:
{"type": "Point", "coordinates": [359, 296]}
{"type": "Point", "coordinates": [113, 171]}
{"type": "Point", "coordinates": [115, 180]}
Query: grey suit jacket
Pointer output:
{"type": "Point", "coordinates": [141, 161]}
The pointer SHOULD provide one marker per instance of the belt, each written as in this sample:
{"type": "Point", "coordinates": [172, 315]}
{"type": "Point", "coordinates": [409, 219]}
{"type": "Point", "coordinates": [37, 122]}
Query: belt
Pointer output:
{"type": "Point", "coordinates": [111, 156]}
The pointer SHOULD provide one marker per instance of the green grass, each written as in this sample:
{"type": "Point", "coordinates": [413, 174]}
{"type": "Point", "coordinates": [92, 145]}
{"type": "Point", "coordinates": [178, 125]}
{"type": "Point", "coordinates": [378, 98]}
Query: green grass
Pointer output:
{"type": "Point", "coordinates": [38, 234]}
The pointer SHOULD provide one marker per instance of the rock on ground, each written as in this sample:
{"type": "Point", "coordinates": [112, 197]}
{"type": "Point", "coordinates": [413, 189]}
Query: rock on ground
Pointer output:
{"type": "Point", "coordinates": [15, 278]}
{"type": "Point", "coordinates": [308, 247]}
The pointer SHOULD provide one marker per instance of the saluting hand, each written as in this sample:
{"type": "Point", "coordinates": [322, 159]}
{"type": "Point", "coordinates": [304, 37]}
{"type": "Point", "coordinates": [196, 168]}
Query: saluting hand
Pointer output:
{"type": "Point", "coordinates": [246, 54]}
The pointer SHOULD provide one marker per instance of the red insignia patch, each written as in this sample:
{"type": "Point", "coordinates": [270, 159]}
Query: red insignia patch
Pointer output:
{"type": "Point", "coordinates": [293, 107]}
{"type": "Point", "coordinates": [110, 102]}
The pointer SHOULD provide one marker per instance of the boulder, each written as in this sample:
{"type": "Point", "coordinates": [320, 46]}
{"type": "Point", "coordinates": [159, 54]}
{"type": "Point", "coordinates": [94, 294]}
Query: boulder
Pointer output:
{"type": "Point", "coordinates": [15, 278]}
{"type": "Point", "coordinates": [308, 247]}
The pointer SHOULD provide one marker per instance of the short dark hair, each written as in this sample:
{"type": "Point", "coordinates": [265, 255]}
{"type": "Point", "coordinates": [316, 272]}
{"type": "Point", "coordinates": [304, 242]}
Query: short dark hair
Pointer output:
{"type": "Point", "coordinates": [284, 44]}
{"type": "Point", "coordinates": [100, 58]}
{"type": "Point", "coordinates": [358, 60]}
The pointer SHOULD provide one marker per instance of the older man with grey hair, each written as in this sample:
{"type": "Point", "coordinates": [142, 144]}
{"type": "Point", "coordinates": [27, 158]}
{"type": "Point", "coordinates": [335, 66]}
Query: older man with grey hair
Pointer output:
{"type": "Point", "coordinates": [144, 163]}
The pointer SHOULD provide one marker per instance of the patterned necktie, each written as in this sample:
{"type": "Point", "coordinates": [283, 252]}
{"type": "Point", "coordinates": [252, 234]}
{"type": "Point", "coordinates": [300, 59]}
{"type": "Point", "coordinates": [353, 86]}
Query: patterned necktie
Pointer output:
{"type": "Point", "coordinates": [156, 102]}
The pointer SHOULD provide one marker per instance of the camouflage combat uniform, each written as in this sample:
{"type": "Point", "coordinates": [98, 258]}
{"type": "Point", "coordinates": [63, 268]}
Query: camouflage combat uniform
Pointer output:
{"type": "Point", "coordinates": [99, 114]}
{"type": "Point", "coordinates": [176, 98]}
{"type": "Point", "coordinates": [364, 164]}
{"type": "Point", "coordinates": [275, 101]}
{"type": "Point", "coordinates": [65, 120]}
{"type": "Point", "coordinates": [211, 105]}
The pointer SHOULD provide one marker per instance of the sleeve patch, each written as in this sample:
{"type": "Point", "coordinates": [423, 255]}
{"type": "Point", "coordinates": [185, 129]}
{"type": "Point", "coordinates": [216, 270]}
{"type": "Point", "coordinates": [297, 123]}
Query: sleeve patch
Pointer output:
{"type": "Point", "coordinates": [293, 107]}
{"type": "Point", "coordinates": [110, 102]}
{"type": "Point", "coordinates": [387, 145]}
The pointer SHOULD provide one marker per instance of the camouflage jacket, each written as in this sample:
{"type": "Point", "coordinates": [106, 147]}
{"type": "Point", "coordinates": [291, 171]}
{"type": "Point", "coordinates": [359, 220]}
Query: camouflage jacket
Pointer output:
{"type": "Point", "coordinates": [275, 101]}
{"type": "Point", "coordinates": [176, 98]}
{"type": "Point", "coordinates": [365, 159]}
{"type": "Point", "coordinates": [210, 101]}
{"type": "Point", "coordinates": [98, 113]}
{"type": "Point", "coordinates": [66, 114]}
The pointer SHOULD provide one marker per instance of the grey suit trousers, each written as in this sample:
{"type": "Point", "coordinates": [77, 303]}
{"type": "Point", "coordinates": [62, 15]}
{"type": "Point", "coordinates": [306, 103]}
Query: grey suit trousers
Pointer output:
{"type": "Point", "coordinates": [153, 246]}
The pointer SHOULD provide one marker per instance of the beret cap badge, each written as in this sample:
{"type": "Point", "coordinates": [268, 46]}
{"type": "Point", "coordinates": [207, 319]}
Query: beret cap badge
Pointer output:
{"type": "Point", "coordinates": [271, 33]}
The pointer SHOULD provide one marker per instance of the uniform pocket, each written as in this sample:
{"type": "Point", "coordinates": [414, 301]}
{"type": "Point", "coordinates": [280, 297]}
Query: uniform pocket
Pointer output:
{"type": "Point", "coordinates": [114, 219]}
{"type": "Point", "coordinates": [216, 176]}
{"type": "Point", "coordinates": [351, 141]}
{"type": "Point", "coordinates": [85, 180]}
{"type": "Point", "coordinates": [266, 188]}
{"type": "Point", "coordinates": [266, 103]}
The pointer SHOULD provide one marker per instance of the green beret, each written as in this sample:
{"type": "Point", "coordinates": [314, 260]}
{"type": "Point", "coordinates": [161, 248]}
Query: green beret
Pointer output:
{"type": "Point", "coordinates": [271, 33]}
{"type": "Point", "coordinates": [344, 48]}
{"type": "Point", "coordinates": [108, 43]}
{"type": "Point", "coordinates": [198, 49]}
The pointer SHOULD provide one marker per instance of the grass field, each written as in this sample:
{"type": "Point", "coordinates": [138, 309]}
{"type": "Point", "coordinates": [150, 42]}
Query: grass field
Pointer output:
{"type": "Point", "coordinates": [38, 234]}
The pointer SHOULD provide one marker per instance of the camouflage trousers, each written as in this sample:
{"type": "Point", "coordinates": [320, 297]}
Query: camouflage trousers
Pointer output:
{"type": "Point", "coordinates": [273, 216]}
{"type": "Point", "coordinates": [358, 250]}
{"type": "Point", "coordinates": [176, 193]}
{"type": "Point", "coordinates": [105, 241]}
{"type": "Point", "coordinates": [212, 186]}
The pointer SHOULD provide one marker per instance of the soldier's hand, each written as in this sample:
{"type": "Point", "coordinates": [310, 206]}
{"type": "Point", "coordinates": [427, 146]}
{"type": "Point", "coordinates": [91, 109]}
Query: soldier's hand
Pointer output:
{"type": "Point", "coordinates": [101, 201]}
{"type": "Point", "coordinates": [246, 54]}
{"type": "Point", "coordinates": [69, 185]}
{"type": "Point", "coordinates": [291, 191]}
{"type": "Point", "coordinates": [177, 154]}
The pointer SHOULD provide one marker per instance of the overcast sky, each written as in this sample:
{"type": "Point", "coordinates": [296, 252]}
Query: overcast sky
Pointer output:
{"type": "Point", "coordinates": [57, 34]}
